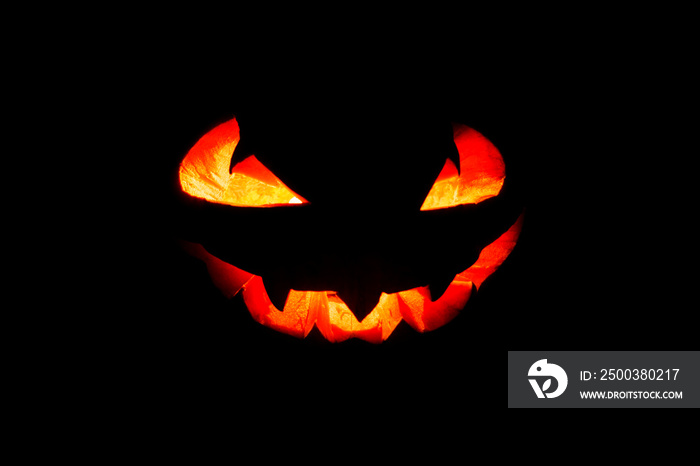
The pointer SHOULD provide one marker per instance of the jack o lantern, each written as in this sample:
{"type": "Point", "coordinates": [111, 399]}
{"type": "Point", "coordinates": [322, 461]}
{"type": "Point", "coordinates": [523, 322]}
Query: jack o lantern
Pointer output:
{"type": "Point", "coordinates": [258, 236]}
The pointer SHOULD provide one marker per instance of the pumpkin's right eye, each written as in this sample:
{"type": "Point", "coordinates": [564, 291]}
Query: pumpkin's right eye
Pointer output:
{"type": "Point", "coordinates": [481, 175]}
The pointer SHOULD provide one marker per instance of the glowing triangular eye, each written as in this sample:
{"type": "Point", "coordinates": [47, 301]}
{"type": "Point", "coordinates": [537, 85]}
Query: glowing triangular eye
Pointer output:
{"type": "Point", "coordinates": [253, 184]}
{"type": "Point", "coordinates": [204, 173]}
{"type": "Point", "coordinates": [482, 172]}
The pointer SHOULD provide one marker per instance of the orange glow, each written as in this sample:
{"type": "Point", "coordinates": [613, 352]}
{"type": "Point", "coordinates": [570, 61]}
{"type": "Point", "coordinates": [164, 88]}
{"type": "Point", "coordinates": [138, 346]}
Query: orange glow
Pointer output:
{"type": "Point", "coordinates": [333, 318]}
{"type": "Point", "coordinates": [204, 174]}
{"type": "Point", "coordinates": [482, 172]}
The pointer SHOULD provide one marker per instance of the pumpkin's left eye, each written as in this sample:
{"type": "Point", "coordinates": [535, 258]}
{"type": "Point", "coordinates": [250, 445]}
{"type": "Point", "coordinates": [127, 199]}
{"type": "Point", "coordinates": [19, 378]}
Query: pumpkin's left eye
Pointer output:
{"type": "Point", "coordinates": [204, 173]}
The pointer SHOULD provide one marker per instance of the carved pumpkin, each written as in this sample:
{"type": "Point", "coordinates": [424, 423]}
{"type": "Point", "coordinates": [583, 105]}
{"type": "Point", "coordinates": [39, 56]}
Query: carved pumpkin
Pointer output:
{"type": "Point", "coordinates": [251, 191]}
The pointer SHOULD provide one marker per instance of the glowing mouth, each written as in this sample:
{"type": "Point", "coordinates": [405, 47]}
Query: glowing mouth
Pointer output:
{"type": "Point", "coordinates": [333, 318]}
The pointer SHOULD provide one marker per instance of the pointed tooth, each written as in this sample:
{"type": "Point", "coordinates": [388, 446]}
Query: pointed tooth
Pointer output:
{"type": "Point", "coordinates": [438, 286]}
{"type": "Point", "coordinates": [360, 303]}
{"type": "Point", "coordinates": [349, 298]}
{"type": "Point", "coordinates": [278, 292]}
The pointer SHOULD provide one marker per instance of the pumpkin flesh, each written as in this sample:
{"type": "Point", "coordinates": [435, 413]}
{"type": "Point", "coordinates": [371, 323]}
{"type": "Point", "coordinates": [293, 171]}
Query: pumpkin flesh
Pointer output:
{"type": "Point", "coordinates": [204, 174]}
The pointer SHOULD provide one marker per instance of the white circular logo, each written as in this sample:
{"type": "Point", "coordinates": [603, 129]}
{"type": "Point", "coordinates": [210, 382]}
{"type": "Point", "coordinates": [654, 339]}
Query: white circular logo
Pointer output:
{"type": "Point", "coordinates": [544, 372]}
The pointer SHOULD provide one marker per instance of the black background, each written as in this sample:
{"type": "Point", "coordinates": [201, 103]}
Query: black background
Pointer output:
{"type": "Point", "coordinates": [605, 259]}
